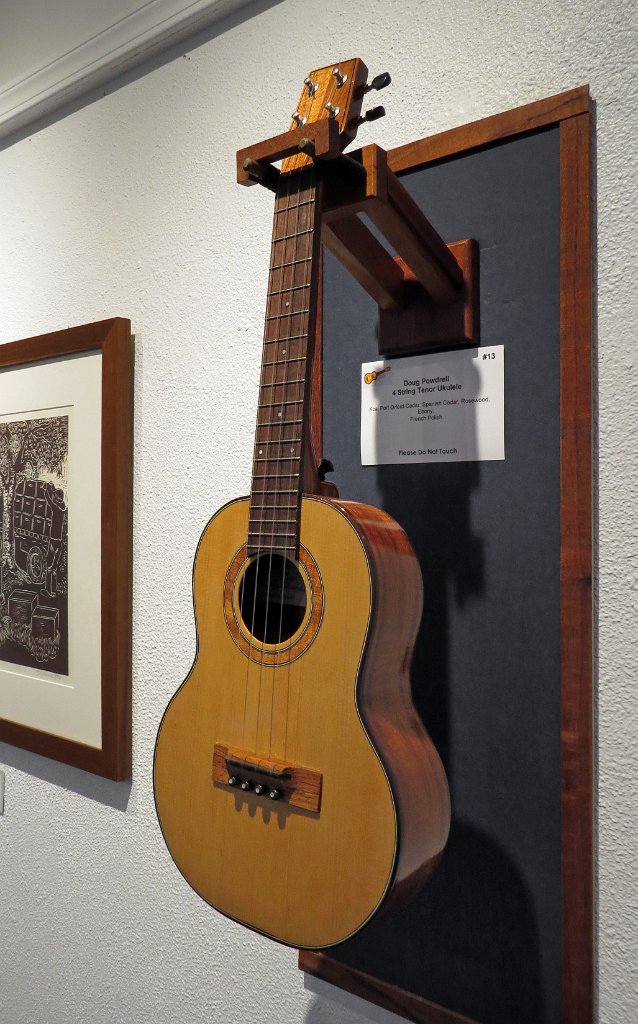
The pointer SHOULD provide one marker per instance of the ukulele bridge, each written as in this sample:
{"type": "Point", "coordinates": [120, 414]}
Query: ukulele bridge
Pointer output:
{"type": "Point", "coordinates": [267, 777]}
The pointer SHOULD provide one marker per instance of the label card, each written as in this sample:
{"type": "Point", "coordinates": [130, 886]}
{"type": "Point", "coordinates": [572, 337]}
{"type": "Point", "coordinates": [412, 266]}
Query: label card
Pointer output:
{"type": "Point", "coordinates": [447, 407]}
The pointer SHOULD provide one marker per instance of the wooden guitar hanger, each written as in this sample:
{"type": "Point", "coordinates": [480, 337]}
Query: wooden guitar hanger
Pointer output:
{"type": "Point", "coordinates": [428, 294]}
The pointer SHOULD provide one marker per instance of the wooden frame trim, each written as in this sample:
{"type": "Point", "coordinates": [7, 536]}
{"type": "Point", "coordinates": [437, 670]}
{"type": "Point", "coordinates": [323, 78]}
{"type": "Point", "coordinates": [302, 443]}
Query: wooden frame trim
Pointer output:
{"type": "Point", "coordinates": [381, 993]}
{"type": "Point", "coordinates": [570, 111]}
{"type": "Point", "coordinates": [113, 339]}
{"type": "Point", "coordinates": [577, 769]}
{"type": "Point", "coordinates": [490, 129]}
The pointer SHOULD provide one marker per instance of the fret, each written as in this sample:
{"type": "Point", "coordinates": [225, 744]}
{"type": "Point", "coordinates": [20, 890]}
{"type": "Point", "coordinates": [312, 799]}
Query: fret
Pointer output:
{"type": "Point", "coordinates": [291, 263]}
{"type": "Point", "coordinates": [275, 405]}
{"type": "Point", "coordinates": [270, 540]}
{"type": "Point", "coordinates": [294, 312]}
{"type": "Point", "coordinates": [282, 533]}
{"type": "Point", "coordinates": [282, 356]}
{"type": "Point", "coordinates": [297, 206]}
{"type": "Point", "coordinates": [281, 383]}
{"type": "Point", "coordinates": [283, 362]}
{"type": "Point", "coordinates": [295, 234]}
{"type": "Point", "coordinates": [282, 251]}
{"type": "Point", "coordinates": [289, 490]}
{"type": "Point", "coordinates": [280, 440]}
{"type": "Point", "coordinates": [278, 423]}
{"type": "Point", "coordinates": [291, 331]}
{"type": "Point", "coordinates": [293, 288]}
{"type": "Point", "coordinates": [278, 458]}
{"type": "Point", "coordinates": [278, 341]}
{"type": "Point", "coordinates": [286, 522]}
{"type": "Point", "coordinates": [291, 508]}
{"type": "Point", "coordinates": [274, 476]}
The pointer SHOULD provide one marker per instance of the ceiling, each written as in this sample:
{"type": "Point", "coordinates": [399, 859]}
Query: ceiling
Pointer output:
{"type": "Point", "coordinates": [52, 51]}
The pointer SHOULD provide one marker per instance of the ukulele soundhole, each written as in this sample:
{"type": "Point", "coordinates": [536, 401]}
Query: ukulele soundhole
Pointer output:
{"type": "Point", "coordinates": [272, 598]}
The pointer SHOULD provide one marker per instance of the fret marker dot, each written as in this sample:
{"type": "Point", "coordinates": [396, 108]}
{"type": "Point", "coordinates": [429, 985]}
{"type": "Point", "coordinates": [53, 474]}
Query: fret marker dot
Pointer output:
{"type": "Point", "coordinates": [261, 450]}
{"type": "Point", "coordinates": [283, 351]}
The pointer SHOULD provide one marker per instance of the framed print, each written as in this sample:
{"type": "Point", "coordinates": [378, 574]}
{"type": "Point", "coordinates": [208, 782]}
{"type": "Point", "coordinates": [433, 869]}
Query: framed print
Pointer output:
{"type": "Point", "coordinates": [66, 412]}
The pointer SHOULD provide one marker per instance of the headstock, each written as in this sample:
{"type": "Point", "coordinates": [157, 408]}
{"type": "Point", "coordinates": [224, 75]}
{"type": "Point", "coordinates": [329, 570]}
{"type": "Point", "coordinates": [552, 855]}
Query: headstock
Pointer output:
{"type": "Point", "coordinates": [330, 108]}
{"type": "Point", "coordinates": [336, 92]}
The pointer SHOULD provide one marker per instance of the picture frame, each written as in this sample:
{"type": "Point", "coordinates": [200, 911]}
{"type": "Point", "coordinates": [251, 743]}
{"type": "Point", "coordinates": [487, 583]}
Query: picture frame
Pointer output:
{"type": "Point", "coordinates": [66, 428]}
{"type": "Point", "coordinates": [569, 115]}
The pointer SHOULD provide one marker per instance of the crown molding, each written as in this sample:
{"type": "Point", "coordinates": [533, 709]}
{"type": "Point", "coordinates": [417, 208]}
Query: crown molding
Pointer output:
{"type": "Point", "coordinates": [150, 28]}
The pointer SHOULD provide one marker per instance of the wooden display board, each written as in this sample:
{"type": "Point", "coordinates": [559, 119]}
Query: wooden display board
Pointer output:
{"type": "Point", "coordinates": [503, 667]}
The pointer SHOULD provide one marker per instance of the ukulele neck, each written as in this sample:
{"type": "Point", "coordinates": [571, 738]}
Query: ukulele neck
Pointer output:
{"type": "Point", "coordinates": [282, 410]}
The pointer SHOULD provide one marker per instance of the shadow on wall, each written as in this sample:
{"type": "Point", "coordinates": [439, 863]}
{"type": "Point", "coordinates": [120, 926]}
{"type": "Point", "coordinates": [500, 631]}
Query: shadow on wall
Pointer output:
{"type": "Point", "coordinates": [104, 791]}
{"type": "Point", "coordinates": [492, 901]}
{"type": "Point", "coordinates": [469, 940]}
{"type": "Point", "coordinates": [473, 937]}
{"type": "Point", "coordinates": [331, 1005]}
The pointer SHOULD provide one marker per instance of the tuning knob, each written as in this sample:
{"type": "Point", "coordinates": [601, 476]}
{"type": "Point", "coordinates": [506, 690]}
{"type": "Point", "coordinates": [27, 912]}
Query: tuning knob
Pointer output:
{"type": "Point", "coordinates": [310, 85]}
{"type": "Point", "coordinates": [370, 115]}
{"type": "Point", "coordinates": [260, 789]}
{"type": "Point", "coordinates": [332, 110]}
{"type": "Point", "coordinates": [233, 780]}
{"type": "Point", "coordinates": [374, 114]}
{"type": "Point", "coordinates": [339, 77]}
{"type": "Point", "coordinates": [379, 82]}
{"type": "Point", "coordinates": [275, 794]}
{"type": "Point", "coordinates": [246, 785]}
{"type": "Point", "coordinates": [298, 119]}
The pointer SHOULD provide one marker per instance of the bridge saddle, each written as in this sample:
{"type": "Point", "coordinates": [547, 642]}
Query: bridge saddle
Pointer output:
{"type": "Point", "coordinates": [267, 777]}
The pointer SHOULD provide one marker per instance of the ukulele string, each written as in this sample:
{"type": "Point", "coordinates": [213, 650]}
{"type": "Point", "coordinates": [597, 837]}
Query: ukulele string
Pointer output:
{"type": "Point", "coordinates": [261, 492]}
{"type": "Point", "coordinates": [311, 252]}
{"type": "Point", "coordinates": [301, 229]}
{"type": "Point", "coordinates": [286, 311]}
{"type": "Point", "coordinates": [271, 533]}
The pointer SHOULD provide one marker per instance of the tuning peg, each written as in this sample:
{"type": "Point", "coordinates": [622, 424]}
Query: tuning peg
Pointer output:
{"type": "Point", "coordinates": [379, 82]}
{"type": "Point", "coordinates": [370, 115]}
{"type": "Point", "coordinates": [310, 85]}
{"type": "Point", "coordinates": [298, 119]}
{"type": "Point", "coordinates": [332, 110]}
{"type": "Point", "coordinates": [374, 114]}
{"type": "Point", "coordinates": [339, 77]}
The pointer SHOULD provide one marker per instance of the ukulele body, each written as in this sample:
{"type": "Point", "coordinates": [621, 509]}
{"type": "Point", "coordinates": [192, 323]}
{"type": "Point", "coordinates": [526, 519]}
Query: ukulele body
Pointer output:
{"type": "Point", "coordinates": [324, 718]}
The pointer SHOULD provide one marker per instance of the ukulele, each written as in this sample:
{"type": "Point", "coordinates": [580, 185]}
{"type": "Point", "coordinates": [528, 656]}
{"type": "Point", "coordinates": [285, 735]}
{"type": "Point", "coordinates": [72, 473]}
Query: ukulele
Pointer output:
{"type": "Point", "coordinates": [296, 787]}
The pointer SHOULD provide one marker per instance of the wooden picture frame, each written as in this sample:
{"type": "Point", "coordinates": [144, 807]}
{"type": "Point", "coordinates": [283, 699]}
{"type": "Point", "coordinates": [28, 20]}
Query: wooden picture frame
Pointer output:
{"type": "Point", "coordinates": [569, 112]}
{"type": "Point", "coordinates": [86, 375]}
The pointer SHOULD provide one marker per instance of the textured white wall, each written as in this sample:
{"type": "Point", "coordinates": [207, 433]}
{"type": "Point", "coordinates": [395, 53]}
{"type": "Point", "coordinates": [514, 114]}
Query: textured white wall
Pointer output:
{"type": "Point", "coordinates": [129, 207]}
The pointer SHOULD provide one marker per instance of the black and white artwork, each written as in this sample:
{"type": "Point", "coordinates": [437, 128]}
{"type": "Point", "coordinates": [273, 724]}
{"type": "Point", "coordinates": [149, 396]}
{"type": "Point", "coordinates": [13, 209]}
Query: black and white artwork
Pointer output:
{"type": "Point", "coordinates": [34, 530]}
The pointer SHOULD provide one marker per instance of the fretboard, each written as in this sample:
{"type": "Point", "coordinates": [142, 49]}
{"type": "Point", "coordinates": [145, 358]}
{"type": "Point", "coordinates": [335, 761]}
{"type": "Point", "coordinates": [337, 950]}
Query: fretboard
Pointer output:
{"type": "Point", "coordinates": [285, 370]}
